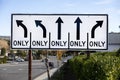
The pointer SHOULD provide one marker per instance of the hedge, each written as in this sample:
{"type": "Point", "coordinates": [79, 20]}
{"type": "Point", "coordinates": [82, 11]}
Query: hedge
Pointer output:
{"type": "Point", "coordinates": [97, 67]}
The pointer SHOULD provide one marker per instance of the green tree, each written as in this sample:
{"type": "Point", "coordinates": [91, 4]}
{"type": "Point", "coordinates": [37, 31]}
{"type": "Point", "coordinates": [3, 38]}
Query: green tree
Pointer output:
{"type": "Point", "coordinates": [11, 51]}
{"type": "Point", "coordinates": [3, 51]}
{"type": "Point", "coordinates": [21, 53]}
{"type": "Point", "coordinates": [38, 54]}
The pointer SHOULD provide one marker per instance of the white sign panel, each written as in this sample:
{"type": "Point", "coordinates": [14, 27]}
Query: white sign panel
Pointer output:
{"type": "Point", "coordinates": [59, 31]}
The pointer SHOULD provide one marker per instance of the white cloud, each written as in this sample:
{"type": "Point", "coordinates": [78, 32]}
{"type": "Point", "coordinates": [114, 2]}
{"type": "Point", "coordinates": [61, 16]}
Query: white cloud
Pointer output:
{"type": "Point", "coordinates": [102, 2]}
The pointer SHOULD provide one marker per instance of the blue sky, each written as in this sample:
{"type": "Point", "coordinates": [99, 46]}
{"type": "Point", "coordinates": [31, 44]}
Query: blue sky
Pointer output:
{"type": "Point", "coordinates": [110, 7]}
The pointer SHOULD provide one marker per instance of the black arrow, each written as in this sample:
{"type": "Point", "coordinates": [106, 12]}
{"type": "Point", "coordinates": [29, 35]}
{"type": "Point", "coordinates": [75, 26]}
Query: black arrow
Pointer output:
{"type": "Point", "coordinates": [99, 23]}
{"type": "Point", "coordinates": [59, 21]}
{"type": "Point", "coordinates": [78, 21]}
{"type": "Point", "coordinates": [38, 23]}
{"type": "Point", "coordinates": [19, 23]}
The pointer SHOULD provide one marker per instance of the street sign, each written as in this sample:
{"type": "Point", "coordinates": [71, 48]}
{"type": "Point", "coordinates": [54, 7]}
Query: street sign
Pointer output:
{"type": "Point", "coordinates": [59, 31]}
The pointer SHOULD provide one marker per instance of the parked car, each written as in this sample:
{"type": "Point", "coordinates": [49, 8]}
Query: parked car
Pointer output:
{"type": "Point", "coordinates": [65, 61]}
{"type": "Point", "coordinates": [20, 60]}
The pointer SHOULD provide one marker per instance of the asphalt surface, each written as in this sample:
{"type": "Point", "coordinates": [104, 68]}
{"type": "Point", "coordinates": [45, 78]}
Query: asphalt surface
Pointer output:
{"type": "Point", "coordinates": [19, 71]}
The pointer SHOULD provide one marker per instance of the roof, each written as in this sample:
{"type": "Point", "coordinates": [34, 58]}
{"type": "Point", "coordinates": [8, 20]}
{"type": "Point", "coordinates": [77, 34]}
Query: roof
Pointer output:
{"type": "Point", "coordinates": [114, 38]}
{"type": "Point", "coordinates": [5, 37]}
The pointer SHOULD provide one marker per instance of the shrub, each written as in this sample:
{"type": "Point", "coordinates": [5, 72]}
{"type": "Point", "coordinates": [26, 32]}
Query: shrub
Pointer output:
{"type": "Point", "coordinates": [3, 60]}
{"type": "Point", "coordinates": [3, 51]}
{"type": "Point", "coordinates": [118, 52]}
{"type": "Point", "coordinates": [98, 67]}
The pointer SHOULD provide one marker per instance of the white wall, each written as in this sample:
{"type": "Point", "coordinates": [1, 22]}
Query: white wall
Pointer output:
{"type": "Point", "coordinates": [113, 47]}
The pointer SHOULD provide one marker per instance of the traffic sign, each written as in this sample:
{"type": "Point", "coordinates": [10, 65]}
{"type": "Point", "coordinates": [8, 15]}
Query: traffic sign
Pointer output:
{"type": "Point", "coordinates": [59, 31]}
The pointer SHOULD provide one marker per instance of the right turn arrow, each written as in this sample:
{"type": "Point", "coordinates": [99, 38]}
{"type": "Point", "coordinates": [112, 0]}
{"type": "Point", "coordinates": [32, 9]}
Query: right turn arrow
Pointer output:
{"type": "Point", "coordinates": [99, 23]}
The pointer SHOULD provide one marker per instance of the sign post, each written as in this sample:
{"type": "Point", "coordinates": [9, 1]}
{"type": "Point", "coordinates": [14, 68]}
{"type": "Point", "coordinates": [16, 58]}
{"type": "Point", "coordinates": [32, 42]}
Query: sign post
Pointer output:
{"type": "Point", "coordinates": [47, 65]}
{"type": "Point", "coordinates": [30, 65]}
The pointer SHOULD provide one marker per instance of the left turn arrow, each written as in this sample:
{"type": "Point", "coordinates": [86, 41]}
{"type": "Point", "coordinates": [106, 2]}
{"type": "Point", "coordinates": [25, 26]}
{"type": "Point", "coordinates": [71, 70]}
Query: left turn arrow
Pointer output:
{"type": "Point", "coordinates": [38, 23]}
{"type": "Point", "coordinates": [19, 23]}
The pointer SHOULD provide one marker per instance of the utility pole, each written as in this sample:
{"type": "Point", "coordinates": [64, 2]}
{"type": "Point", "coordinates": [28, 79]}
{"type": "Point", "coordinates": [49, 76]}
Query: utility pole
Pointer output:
{"type": "Point", "coordinates": [47, 66]}
{"type": "Point", "coordinates": [30, 65]}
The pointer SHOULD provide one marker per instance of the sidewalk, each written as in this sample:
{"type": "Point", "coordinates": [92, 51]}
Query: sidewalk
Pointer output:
{"type": "Point", "coordinates": [44, 75]}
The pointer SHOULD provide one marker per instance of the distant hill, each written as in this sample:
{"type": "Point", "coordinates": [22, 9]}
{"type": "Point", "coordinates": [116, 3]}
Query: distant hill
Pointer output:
{"type": "Point", "coordinates": [4, 42]}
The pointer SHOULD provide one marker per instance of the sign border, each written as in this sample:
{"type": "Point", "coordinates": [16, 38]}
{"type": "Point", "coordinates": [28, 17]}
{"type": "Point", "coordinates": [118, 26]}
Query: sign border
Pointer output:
{"type": "Point", "coordinates": [49, 37]}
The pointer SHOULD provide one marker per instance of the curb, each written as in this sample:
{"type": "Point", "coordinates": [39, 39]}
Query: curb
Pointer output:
{"type": "Point", "coordinates": [44, 75]}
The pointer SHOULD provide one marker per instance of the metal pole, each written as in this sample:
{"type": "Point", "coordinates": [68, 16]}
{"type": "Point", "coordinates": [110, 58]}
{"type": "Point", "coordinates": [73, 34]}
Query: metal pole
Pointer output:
{"type": "Point", "coordinates": [46, 63]}
{"type": "Point", "coordinates": [88, 54]}
{"type": "Point", "coordinates": [30, 65]}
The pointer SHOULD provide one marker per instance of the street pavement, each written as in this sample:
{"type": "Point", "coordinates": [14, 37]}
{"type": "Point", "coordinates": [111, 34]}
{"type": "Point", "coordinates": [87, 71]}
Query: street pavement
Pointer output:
{"type": "Point", "coordinates": [19, 71]}
{"type": "Point", "coordinates": [44, 75]}
{"type": "Point", "coordinates": [52, 71]}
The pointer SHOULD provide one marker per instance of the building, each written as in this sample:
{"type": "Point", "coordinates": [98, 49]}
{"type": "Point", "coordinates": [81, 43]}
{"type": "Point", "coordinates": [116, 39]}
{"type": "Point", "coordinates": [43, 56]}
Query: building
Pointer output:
{"type": "Point", "coordinates": [113, 41]}
{"type": "Point", "coordinates": [5, 37]}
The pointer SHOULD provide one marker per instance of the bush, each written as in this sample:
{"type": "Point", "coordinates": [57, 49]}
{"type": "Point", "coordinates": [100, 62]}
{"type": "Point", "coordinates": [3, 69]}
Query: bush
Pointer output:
{"type": "Point", "coordinates": [118, 52]}
{"type": "Point", "coordinates": [98, 67]}
{"type": "Point", "coordinates": [3, 60]}
{"type": "Point", "coordinates": [3, 51]}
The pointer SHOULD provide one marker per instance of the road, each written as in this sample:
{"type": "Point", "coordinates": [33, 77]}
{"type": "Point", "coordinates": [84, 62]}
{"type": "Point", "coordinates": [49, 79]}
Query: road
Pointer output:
{"type": "Point", "coordinates": [19, 71]}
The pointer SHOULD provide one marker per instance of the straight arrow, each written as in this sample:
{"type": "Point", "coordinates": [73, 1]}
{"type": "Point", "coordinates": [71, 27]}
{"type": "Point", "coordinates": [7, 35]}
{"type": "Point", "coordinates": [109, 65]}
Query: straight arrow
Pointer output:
{"type": "Point", "coordinates": [99, 23]}
{"type": "Point", "coordinates": [78, 21]}
{"type": "Point", "coordinates": [38, 23]}
{"type": "Point", "coordinates": [19, 23]}
{"type": "Point", "coordinates": [59, 21]}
